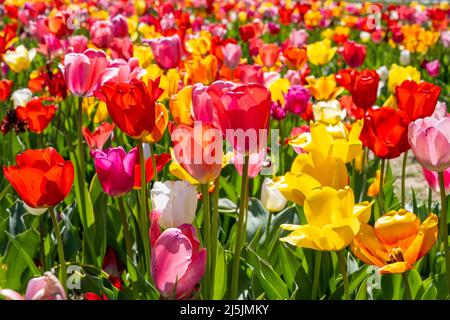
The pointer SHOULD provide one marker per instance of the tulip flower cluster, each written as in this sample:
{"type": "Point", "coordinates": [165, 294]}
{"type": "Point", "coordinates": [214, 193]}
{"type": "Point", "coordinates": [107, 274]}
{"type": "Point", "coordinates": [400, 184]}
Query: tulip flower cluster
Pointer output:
{"type": "Point", "coordinates": [224, 150]}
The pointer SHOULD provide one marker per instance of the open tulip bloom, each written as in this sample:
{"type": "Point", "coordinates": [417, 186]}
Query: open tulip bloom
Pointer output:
{"type": "Point", "coordinates": [223, 150]}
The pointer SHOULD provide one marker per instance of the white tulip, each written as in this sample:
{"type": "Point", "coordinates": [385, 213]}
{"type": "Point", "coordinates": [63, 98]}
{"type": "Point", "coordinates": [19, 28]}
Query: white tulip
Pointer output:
{"type": "Point", "coordinates": [176, 201]}
{"type": "Point", "coordinates": [271, 197]}
{"type": "Point", "coordinates": [405, 57]}
{"type": "Point", "coordinates": [21, 97]}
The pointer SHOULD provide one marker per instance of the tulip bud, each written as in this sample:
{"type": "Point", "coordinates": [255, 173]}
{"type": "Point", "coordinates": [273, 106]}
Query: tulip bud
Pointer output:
{"type": "Point", "coordinates": [405, 57]}
{"type": "Point", "coordinates": [119, 26]}
{"type": "Point", "coordinates": [232, 54]}
{"type": "Point", "coordinates": [271, 197]}
{"type": "Point", "coordinates": [176, 201]}
{"type": "Point", "coordinates": [297, 99]}
{"type": "Point", "coordinates": [102, 34]}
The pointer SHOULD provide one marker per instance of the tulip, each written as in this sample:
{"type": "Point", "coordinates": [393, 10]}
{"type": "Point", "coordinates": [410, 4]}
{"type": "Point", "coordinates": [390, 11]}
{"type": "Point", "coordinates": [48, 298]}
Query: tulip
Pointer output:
{"type": "Point", "coordinates": [231, 55]}
{"type": "Point", "coordinates": [180, 106]}
{"type": "Point", "coordinates": [176, 201]}
{"type": "Point", "coordinates": [132, 106]}
{"type": "Point", "coordinates": [126, 70]}
{"type": "Point", "coordinates": [432, 68]}
{"type": "Point", "coordinates": [324, 88]}
{"type": "Point", "coordinates": [399, 74]}
{"type": "Point", "coordinates": [41, 177]}
{"type": "Point", "coordinates": [198, 150]}
{"type": "Point", "coordinates": [46, 287]}
{"type": "Point", "coordinates": [115, 170]}
{"type": "Point", "coordinates": [298, 38]}
{"type": "Point", "coordinates": [101, 33]}
{"type": "Point", "coordinates": [160, 162]}
{"type": "Point", "coordinates": [161, 122]}
{"type": "Point", "coordinates": [374, 188]}
{"type": "Point", "coordinates": [19, 59]}
{"type": "Point", "coordinates": [320, 52]}
{"type": "Point", "coordinates": [385, 132]}
{"type": "Point", "coordinates": [5, 89]}
{"type": "Point", "coordinates": [119, 26]}
{"type": "Point", "coordinates": [430, 142]}
{"type": "Point", "coordinates": [432, 179]}
{"type": "Point", "coordinates": [333, 220]}
{"type": "Point", "coordinates": [256, 161]}
{"type": "Point", "coordinates": [78, 43]}
{"type": "Point", "coordinates": [271, 198]}
{"type": "Point", "coordinates": [354, 54]}
{"type": "Point", "coordinates": [85, 72]}
{"type": "Point", "coordinates": [21, 97]}
{"type": "Point", "coordinates": [277, 111]}
{"type": "Point", "coordinates": [166, 50]}
{"type": "Point", "coordinates": [201, 101]}
{"type": "Point", "coordinates": [36, 115]}
{"type": "Point", "coordinates": [405, 57]}
{"type": "Point", "coordinates": [396, 241]}
{"type": "Point", "coordinates": [268, 54]}
{"type": "Point", "coordinates": [177, 261]}
{"type": "Point", "coordinates": [250, 74]}
{"type": "Point", "coordinates": [417, 100]}
{"type": "Point", "coordinates": [97, 139]}
{"type": "Point", "coordinates": [363, 86]}
{"type": "Point", "coordinates": [328, 112]}
{"type": "Point", "coordinates": [300, 138]}
{"type": "Point", "coordinates": [245, 108]}
{"type": "Point", "coordinates": [203, 70]}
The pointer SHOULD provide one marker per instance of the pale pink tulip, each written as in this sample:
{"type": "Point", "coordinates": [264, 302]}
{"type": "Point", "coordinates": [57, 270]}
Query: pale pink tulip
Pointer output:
{"type": "Point", "coordinates": [231, 55]}
{"type": "Point", "coordinates": [46, 287]}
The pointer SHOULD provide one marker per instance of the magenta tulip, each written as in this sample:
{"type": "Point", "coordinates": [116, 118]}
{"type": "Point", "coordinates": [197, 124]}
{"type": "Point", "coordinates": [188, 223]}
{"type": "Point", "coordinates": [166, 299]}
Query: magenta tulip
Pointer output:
{"type": "Point", "coordinates": [297, 99]}
{"type": "Point", "coordinates": [46, 287]}
{"type": "Point", "coordinates": [177, 261]}
{"type": "Point", "coordinates": [432, 179]}
{"type": "Point", "coordinates": [430, 141]}
{"type": "Point", "coordinates": [119, 26]}
{"type": "Point", "coordinates": [102, 33]}
{"type": "Point", "coordinates": [167, 51]}
{"type": "Point", "coordinates": [85, 72]}
{"type": "Point", "coordinates": [115, 170]}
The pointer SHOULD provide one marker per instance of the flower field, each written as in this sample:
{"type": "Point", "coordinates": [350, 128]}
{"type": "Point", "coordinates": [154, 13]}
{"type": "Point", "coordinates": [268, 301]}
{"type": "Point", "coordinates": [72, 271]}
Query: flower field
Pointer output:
{"type": "Point", "coordinates": [221, 149]}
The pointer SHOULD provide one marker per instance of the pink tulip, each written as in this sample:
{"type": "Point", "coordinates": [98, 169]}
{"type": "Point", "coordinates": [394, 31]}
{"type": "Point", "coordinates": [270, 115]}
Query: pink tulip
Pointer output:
{"type": "Point", "coordinates": [78, 43]}
{"type": "Point", "coordinates": [440, 111]}
{"type": "Point", "coordinates": [85, 72]}
{"type": "Point", "coordinates": [119, 26]}
{"type": "Point", "coordinates": [432, 68]}
{"type": "Point", "coordinates": [177, 261]}
{"type": "Point", "coordinates": [231, 55]}
{"type": "Point", "coordinates": [432, 179]}
{"type": "Point", "coordinates": [298, 38]}
{"type": "Point", "coordinates": [201, 101]}
{"type": "Point", "coordinates": [256, 161]}
{"type": "Point", "coordinates": [430, 141]}
{"type": "Point", "coordinates": [115, 170]}
{"type": "Point", "coordinates": [297, 99]}
{"type": "Point", "coordinates": [102, 33]}
{"type": "Point", "coordinates": [127, 70]}
{"type": "Point", "coordinates": [46, 287]}
{"type": "Point", "coordinates": [167, 51]}
{"type": "Point", "coordinates": [251, 74]}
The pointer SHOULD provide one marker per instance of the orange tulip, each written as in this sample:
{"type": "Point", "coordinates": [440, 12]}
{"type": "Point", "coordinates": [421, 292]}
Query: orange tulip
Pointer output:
{"type": "Point", "coordinates": [161, 121]}
{"type": "Point", "coordinates": [202, 70]}
{"type": "Point", "coordinates": [396, 241]}
{"type": "Point", "coordinates": [296, 57]}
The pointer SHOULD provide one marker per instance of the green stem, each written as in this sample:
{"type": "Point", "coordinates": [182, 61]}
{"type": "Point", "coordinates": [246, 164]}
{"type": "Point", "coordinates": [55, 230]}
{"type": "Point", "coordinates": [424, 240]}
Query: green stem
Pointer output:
{"type": "Point", "coordinates": [269, 222]}
{"type": "Point", "coordinates": [405, 160]}
{"type": "Point", "coordinates": [364, 174]}
{"type": "Point", "coordinates": [42, 242]}
{"type": "Point", "coordinates": [215, 232]}
{"type": "Point", "coordinates": [381, 193]}
{"type": "Point", "coordinates": [62, 260]}
{"type": "Point", "coordinates": [144, 210]}
{"type": "Point", "coordinates": [240, 231]}
{"type": "Point", "coordinates": [155, 172]}
{"type": "Point", "coordinates": [430, 198]}
{"type": "Point", "coordinates": [126, 230]}
{"type": "Point", "coordinates": [315, 285]}
{"type": "Point", "coordinates": [207, 238]}
{"type": "Point", "coordinates": [444, 227]}
{"type": "Point", "coordinates": [343, 269]}
{"type": "Point", "coordinates": [407, 288]}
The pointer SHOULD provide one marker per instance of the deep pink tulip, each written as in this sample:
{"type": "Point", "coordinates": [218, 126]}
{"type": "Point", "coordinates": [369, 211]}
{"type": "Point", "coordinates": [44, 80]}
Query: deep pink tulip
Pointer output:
{"type": "Point", "coordinates": [231, 55]}
{"type": "Point", "coordinates": [115, 170]}
{"type": "Point", "coordinates": [85, 72]}
{"type": "Point", "coordinates": [102, 33]}
{"type": "Point", "coordinates": [251, 74]}
{"type": "Point", "coordinates": [432, 68]}
{"type": "Point", "coordinates": [119, 26]}
{"type": "Point", "coordinates": [78, 44]}
{"type": "Point", "coordinates": [46, 287]}
{"type": "Point", "coordinates": [167, 51]}
{"type": "Point", "coordinates": [430, 141]}
{"type": "Point", "coordinates": [432, 179]}
{"type": "Point", "coordinates": [297, 99]}
{"type": "Point", "coordinates": [243, 115]}
{"type": "Point", "coordinates": [177, 261]}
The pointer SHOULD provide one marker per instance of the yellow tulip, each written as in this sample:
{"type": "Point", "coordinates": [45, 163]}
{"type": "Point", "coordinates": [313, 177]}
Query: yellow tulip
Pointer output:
{"type": "Point", "coordinates": [296, 187]}
{"type": "Point", "coordinates": [320, 52]}
{"type": "Point", "coordinates": [19, 59]}
{"type": "Point", "coordinates": [328, 112]}
{"type": "Point", "coordinates": [202, 70]}
{"type": "Point", "coordinates": [144, 55]}
{"type": "Point", "coordinates": [396, 241]}
{"type": "Point", "coordinates": [399, 74]}
{"type": "Point", "coordinates": [312, 18]}
{"type": "Point", "coordinates": [278, 89]}
{"type": "Point", "coordinates": [180, 106]}
{"type": "Point", "coordinates": [140, 6]}
{"type": "Point", "coordinates": [333, 220]}
{"type": "Point", "coordinates": [199, 46]}
{"type": "Point", "coordinates": [323, 88]}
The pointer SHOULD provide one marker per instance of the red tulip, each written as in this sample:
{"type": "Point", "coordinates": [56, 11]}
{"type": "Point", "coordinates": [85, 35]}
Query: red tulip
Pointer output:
{"type": "Point", "coordinates": [385, 132]}
{"type": "Point", "coordinates": [161, 161]}
{"type": "Point", "coordinates": [98, 138]}
{"type": "Point", "coordinates": [244, 109]}
{"type": "Point", "coordinates": [36, 115]}
{"type": "Point", "coordinates": [5, 89]}
{"type": "Point", "coordinates": [42, 178]}
{"type": "Point", "coordinates": [363, 85]}
{"type": "Point", "coordinates": [247, 31]}
{"type": "Point", "coordinates": [132, 105]}
{"type": "Point", "coordinates": [417, 100]}
{"type": "Point", "coordinates": [354, 53]}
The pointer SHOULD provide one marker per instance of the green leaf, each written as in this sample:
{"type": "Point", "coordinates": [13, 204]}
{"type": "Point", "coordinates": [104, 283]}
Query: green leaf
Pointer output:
{"type": "Point", "coordinates": [220, 276]}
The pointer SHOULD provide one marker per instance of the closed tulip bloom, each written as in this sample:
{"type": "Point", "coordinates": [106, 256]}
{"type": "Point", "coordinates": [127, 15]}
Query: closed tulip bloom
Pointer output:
{"type": "Point", "coordinates": [167, 51]}
{"type": "Point", "coordinates": [102, 33]}
{"type": "Point", "coordinates": [201, 101]}
{"type": "Point", "coordinates": [198, 150]}
{"type": "Point", "coordinates": [132, 105]}
{"type": "Point", "coordinates": [21, 97]}
{"type": "Point", "coordinates": [399, 74]}
{"type": "Point", "coordinates": [333, 220]}
{"type": "Point", "coordinates": [363, 86]}
{"type": "Point", "coordinates": [432, 178]}
{"type": "Point", "coordinates": [250, 74]}
{"type": "Point", "coordinates": [178, 263]}
{"type": "Point", "coordinates": [418, 100]}
{"type": "Point", "coordinates": [245, 107]}
{"type": "Point", "coordinates": [176, 201]}
{"type": "Point", "coordinates": [98, 138]}
{"type": "Point", "coordinates": [269, 53]}
{"type": "Point", "coordinates": [19, 59]}
{"type": "Point", "coordinates": [5, 89]}
{"type": "Point", "coordinates": [41, 177]}
{"type": "Point", "coordinates": [85, 72]}
{"type": "Point", "coordinates": [231, 55]}
{"type": "Point", "coordinates": [320, 52]}
{"type": "Point", "coordinates": [119, 26]}
{"type": "Point", "coordinates": [396, 241]}
{"type": "Point", "coordinates": [271, 197]}
{"type": "Point", "coordinates": [432, 68]}
{"type": "Point", "coordinates": [46, 287]}
{"type": "Point", "coordinates": [430, 141]}
{"type": "Point", "coordinates": [36, 115]}
{"type": "Point", "coordinates": [297, 99]}
{"type": "Point", "coordinates": [385, 132]}
{"type": "Point", "coordinates": [354, 54]}
{"type": "Point", "coordinates": [115, 170]}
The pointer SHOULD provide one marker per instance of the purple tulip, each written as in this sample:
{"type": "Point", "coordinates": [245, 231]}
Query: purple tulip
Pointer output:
{"type": "Point", "coordinates": [115, 170]}
{"type": "Point", "coordinates": [297, 99]}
